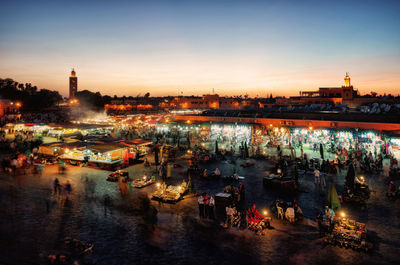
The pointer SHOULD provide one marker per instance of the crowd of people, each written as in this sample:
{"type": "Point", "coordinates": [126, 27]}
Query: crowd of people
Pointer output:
{"type": "Point", "coordinates": [206, 206]}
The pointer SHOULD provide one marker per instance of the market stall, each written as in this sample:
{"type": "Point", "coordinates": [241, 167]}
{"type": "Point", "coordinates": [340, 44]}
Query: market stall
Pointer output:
{"type": "Point", "coordinates": [142, 182]}
{"type": "Point", "coordinates": [137, 149]}
{"type": "Point", "coordinates": [107, 156]}
{"type": "Point", "coordinates": [52, 150]}
{"type": "Point", "coordinates": [170, 194]}
{"type": "Point", "coordinates": [287, 183]}
{"type": "Point", "coordinates": [350, 234]}
{"type": "Point", "coordinates": [75, 153]}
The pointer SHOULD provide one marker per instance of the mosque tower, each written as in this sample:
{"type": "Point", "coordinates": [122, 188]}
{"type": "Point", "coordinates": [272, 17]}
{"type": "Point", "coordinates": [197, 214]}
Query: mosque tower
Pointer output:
{"type": "Point", "coordinates": [73, 84]}
{"type": "Point", "coordinates": [347, 80]}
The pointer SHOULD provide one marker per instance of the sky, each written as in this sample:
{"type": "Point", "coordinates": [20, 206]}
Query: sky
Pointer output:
{"type": "Point", "coordinates": [190, 47]}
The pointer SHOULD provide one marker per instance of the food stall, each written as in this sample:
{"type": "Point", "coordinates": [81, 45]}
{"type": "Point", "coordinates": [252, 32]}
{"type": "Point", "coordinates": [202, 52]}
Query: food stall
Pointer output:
{"type": "Point", "coordinates": [222, 200]}
{"type": "Point", "coordinates": [170, 194]}
{"type": "Point", "coordinates": [79, 128]}
{"type": "Point", "coordinates": [35, 128]}
{"type": "Point", "coordinates": [75, 153]}
{"type": "Point", "coordinates": [137, 148]}
{"type": "Point", "coordinates": [51, 150]}
{"type": "Point", "coordinates": [349, 234]}
{"type": "Point", "coordinates": [142, 182]}
{"type": "Point", "coordinates": [287, 183]}
{"type": "Point", "coordinates": [108, 156]}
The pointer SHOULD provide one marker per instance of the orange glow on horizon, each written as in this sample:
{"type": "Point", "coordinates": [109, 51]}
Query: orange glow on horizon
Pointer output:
{"type": "Point", "coordinates": [228, 80]}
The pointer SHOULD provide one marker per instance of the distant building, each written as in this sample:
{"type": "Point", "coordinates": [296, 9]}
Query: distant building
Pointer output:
{"type": "Point", "coordinates": [73, 84]}
{"type": "Point", "coordinates": [324, 95]}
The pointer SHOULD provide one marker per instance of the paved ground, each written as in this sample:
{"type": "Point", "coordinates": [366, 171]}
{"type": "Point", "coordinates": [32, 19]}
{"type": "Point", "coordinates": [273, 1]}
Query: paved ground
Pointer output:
{"type": "Point", "coordinates": [34, 223]}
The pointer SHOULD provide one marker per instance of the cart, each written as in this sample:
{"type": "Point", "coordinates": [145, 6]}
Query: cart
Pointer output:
{"type": "Point", "coordinates": [141, 183]}
{"type": "Point", "coordinates": [349, 234]}
{"type": "Point", "coordinates": [113, 177]}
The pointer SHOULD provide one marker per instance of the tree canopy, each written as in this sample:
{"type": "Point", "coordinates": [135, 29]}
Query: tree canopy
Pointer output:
{"type": "Point", "coordinates": [30, 97]}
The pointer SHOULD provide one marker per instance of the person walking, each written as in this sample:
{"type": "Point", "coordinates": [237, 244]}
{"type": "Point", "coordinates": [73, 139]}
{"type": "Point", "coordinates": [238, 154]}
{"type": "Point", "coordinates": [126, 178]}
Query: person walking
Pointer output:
{"type": "Point", "coordinates": [321, 151]}
{"type": "Point", "coordinates": [322, 181]}
{"type": "Point", "coordinates": [211, 204]}
{"type": "Point", "coordinates": [242, 192]}
{"type": "Point", "coordinates": [317, 178]}
{"type": "Point", "coordinates": [56, 186]}
{"type": "Point", "coordinates": [200, 201]}
{"type": "Point", "coordinates": [68, 189]}
{"type": "Point", "coordinates": [206, 200]}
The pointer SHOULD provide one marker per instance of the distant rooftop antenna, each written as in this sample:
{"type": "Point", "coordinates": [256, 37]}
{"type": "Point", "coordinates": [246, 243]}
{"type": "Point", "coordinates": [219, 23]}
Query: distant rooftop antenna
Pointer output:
{"type": "Point", "coordinates": [213, 91]}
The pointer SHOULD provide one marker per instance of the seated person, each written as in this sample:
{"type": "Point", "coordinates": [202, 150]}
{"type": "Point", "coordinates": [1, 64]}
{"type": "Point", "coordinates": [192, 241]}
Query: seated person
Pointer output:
{"type": "Point", "coordinates": [235, 176]}
{"type": "Point", "coordinates": [227, 189]}
{"type": "Point", "coordinates": [217, 172]}
{"type": "Point", "coordinates": [281, 204]}
{"type": "Point", "coordinates": [205, 173]}
{"type": "Point", "coordinates": [298, 212]}
{"type": "Point", "coordinates": [329, 213]}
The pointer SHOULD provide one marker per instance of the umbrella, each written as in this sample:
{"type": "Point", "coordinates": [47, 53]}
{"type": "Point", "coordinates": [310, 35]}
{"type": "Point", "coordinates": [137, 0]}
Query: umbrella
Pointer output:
{"type": "Point", "coordinates": [333, 198]}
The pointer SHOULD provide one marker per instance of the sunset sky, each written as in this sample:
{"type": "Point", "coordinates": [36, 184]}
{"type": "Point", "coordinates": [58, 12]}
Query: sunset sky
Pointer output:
{"type": "Point", "coordinates": [165, 47]}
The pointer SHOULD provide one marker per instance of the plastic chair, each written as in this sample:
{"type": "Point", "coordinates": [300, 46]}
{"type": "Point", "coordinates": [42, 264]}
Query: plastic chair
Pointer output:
{"type": "Point", "coordinates": [290, 214]}
{"type": "Point", "coordinates": [280, 212]}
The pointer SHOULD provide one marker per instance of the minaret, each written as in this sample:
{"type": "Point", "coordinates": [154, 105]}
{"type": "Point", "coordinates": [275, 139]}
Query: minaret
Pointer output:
{"type": "Point", "coordinates": [73, 84]}
{"type": "Point", "coordinates": [347, 80]}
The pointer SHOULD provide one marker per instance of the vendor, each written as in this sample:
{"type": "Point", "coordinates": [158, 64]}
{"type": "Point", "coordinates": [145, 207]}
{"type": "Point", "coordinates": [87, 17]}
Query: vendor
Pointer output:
{"type": "Point", "coordinates": [163, 187]}
{"type": "Point", "coordinates": [242, 192]}
{"type": "Point", "coordinates": [329, 213]}
{"type": "Point", "coordinates": [297, 210]}
{"type": "Point", "coordinates": [392, 189]}
{"type": "Point", "coordinates": [282, 204]}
